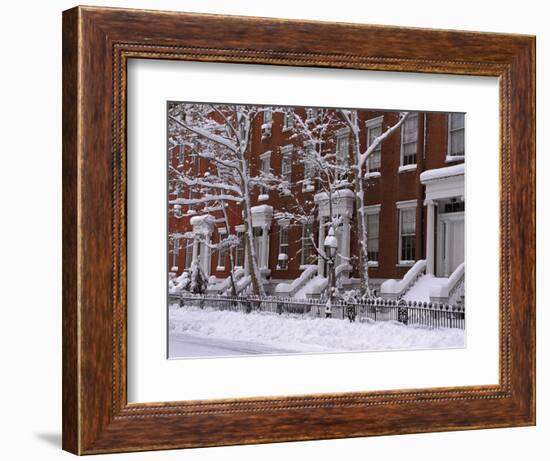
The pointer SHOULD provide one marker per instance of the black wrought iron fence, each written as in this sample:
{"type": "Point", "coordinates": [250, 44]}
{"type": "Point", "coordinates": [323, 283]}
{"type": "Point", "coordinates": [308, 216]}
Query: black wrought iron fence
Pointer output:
{"type": "Point", "coordinates": [434, 315]}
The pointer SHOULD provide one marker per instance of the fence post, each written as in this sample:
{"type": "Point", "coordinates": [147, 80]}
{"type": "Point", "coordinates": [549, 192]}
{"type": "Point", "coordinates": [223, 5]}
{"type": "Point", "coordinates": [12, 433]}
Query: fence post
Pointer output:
{"type": "Point", "coordinates": [403, 312]}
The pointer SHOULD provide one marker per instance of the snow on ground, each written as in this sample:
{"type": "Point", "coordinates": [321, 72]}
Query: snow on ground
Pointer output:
{"type": "Point", "coordinates": [296, 333]}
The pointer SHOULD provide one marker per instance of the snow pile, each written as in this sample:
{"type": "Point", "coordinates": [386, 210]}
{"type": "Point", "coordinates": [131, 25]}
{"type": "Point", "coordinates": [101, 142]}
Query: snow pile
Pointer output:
{"type": "Point", "coordinates": [423, 287]}
{"type": "Point", "coordinates": [308, 334]}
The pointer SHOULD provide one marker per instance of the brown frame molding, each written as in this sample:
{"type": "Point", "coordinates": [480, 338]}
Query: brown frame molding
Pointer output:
{"type": "Point", "coordinates": [97, 43]}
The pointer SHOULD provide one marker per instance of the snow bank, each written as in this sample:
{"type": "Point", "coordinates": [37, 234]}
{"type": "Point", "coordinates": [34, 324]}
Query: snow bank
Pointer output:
{"type": "Point", "coordinates": [423, 287]}
{"type": "Point", "coordinates": [308, 334]}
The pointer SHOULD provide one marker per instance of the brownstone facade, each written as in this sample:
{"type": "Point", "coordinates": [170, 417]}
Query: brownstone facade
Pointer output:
{"type": "Point", "coordinates": [393, 184]}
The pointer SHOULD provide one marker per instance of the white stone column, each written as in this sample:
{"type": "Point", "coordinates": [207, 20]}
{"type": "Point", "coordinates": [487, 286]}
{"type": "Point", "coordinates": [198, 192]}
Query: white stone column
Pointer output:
{"type": "Point", "coordinates": [195, 248]}
{"type": "Point", "coordinates": [430, 237]}
{"type": "Point", "coordinates": [346, 238]}
{"type": "Point", "coordinates": [448, 239]}
{"type": "Point", "coordinates": [265, 248]}
{"type": "Point", "coordinates": [321, 246]}
{"type": "Point", "coordinates": [205, 254]}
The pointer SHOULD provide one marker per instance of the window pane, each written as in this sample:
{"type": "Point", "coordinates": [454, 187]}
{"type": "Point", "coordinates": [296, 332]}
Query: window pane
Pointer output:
{"type": "Point", "coordinates": [410, 129]}
{"type": "Point", "coordinates": [374, 132]}
{"type": "Point", "coordinates": [239, 258]}
{"type": "Point", "coordinates": [373, 224]}
{"type": "Point", "coordinates": [457, 121]}
{"type": "Point", "coordinates": [188, 254]}
{"type": "Point", "coordinates": [408, 229]}
{"type": "Point", "coordinates": [409, 135]}
{"type": "Point", "coordinates": [283, 247]}
{"type": "Point", "coordinates": [457, 142]}
{"type": "Point", "coordinates": [374, 162]}
{"type": "Point", "coordinates": [407, 248]}
{"type": "Point", "coordinates": [306, 244]}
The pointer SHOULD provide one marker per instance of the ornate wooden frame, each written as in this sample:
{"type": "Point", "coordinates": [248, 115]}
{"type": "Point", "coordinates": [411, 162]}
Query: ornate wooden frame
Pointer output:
{"type": "Point", "coordinates": [97, 43]}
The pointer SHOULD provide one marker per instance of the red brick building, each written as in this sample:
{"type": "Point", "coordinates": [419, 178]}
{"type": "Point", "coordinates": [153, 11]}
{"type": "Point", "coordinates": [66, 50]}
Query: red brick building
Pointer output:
{"type": "Point", "coordinates": [414, 201]}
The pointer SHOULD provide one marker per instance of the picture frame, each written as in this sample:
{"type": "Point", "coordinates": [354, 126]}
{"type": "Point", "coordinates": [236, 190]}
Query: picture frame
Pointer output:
{"type": "Point", "coordinates": [97, 44]}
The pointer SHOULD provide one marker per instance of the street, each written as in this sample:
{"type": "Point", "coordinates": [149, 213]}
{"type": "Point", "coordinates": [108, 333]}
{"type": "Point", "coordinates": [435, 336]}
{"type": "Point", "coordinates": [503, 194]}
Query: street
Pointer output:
{"type": "Point", "coordinates": [183, 345]}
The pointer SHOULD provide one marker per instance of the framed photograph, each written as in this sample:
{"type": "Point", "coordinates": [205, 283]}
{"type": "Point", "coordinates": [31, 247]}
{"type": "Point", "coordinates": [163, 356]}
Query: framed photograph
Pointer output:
{"type": "Point", "coordinates": [281, 230]}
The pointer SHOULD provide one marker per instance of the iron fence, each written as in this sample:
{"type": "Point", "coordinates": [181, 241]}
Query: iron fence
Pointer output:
{"type": "Point", "coordinates": [433, 315]}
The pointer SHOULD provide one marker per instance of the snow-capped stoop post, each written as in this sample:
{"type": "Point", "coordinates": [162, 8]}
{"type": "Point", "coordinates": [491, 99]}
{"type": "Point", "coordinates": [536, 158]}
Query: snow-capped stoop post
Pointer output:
{"type": "Point", "coordinates": [202, 234]}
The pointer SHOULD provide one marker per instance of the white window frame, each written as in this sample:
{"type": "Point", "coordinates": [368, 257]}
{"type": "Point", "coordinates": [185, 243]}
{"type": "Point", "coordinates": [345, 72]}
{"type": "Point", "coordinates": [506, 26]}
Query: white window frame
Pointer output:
{"type": "Point", "coordinates": [188, 253]}
{"type": "Point", "coordinates": [191, 207]}
{"type": "Point", "coordinates": [450, 156]}
{"type": "Point", "coordinates": [309, 169]}
{"type": "Point", "coordinates": [181, 154]}
{"type": "Point", "coordinates": [373, 210]}
{"type": "Point", "coordinates": [410, 166]}
{"type": "Point", "coordinates": [240, 230]}
{"type": "Point", "coordinates": [267, 123]}
{"type": "Point", "coordinates": [286, 160]}
{"type": "Point", "coordinates": [175, 251]}
{"type": "Point", "coordinates": [221, 254]}
{"type": "Point", "coordinates": [285, 229]}
{"type": "Point", "coordinates": [372, 124]}
{"type": "Point", "coordinates": [311, 114]}
{"type": "Point", "coordinates": [305, 241]}
{"type": "Point", "coordinates": [265, 159]}
{"type": "Point", "coordinates": [404, 206]}
{"type": "Point", "coordinates": [342, 158]}
{"type": "Point", "coordinates": [288, 119]}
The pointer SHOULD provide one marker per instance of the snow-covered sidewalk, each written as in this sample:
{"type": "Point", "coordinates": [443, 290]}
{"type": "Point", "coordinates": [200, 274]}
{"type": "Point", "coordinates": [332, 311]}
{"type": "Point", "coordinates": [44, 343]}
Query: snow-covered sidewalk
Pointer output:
{"type": "Point", "coordinates": [306, 334]}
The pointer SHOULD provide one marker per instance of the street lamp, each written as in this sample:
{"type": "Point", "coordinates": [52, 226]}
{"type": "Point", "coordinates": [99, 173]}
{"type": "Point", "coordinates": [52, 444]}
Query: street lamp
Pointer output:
{"type": "Point", "coordinates": [331, 245]}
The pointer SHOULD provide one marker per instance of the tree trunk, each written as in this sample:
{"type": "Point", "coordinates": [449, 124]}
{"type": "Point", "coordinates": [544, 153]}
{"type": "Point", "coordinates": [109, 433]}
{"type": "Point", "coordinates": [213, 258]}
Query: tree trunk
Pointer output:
{"type": "Point", "coordinates": [361, 225]}
{"type": "Point", "coordinates": [231, 257]}
{"type": "Point", "coordinates": [257, 286]}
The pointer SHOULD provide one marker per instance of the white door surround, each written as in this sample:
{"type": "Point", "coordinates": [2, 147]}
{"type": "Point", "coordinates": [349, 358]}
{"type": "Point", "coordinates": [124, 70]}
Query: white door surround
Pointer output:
{"type": "Point", "coordinates": [450, 243]}
{"type": "Point", "coordinates": [443, 185]}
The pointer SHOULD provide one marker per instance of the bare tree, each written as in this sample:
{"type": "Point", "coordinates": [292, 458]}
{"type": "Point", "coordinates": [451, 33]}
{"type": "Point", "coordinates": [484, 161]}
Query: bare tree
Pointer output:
{"type": "Point", "coordinates": [361, 158]}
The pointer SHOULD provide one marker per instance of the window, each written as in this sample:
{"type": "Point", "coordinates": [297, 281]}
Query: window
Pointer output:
{"type": "Point", "coordinates": [188, 253]}
{"type": "Point", "coordinates": [342, 153]}
{"type": "Point", "coordinates": [311, 114]}
{"type": "Point", "coordinates": [239, 251]}
{"type": "Point", "coordinates": [308, 160]}
{"type": "Point", "coordinates": [283, 248]}
{"type": "Point", "coordinates": [453, 206]}
{"type": "Point", "coordinates": [374, 162]}
{"type": "Point", "coordinates": [456, 135]}
{"type": "Point", "coordinates": [286, 163]}
{"type": "Point", "coordinates": [191, 206]}
{"type": "Point", "coordinates": [266, 127]}
{"type": "Point", "coordinates": [221, 251]}
{"type": "Point", "coordinates": [181, 154]}
{"type": "Point", "coordinates": [373, 232]}
{"type": "Point", "coordinates": [265, 168]}
{"type": "Point", "coordinates": [407, 235]}
{"type": "Point", "coordinates": [307, 245]}
{"type": "Point", "coordinates": [288, 119]}
{"type": "Point", "coordinates": [175, 251]}
{"type": "Point", "coordinates": [409, 137]}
